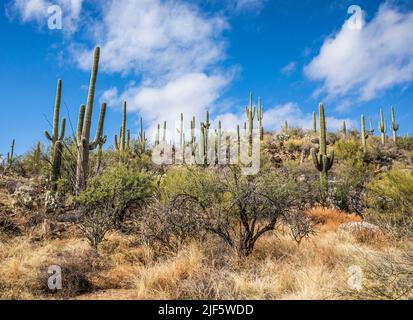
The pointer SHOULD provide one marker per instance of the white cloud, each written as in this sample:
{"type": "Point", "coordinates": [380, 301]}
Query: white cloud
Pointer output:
{"type": "Point", "coordinates": [289, 68]}
{"type": "Point", "coordinates": [248, 5]}
{"type": "Point", "coordinates": [364, 63]}
{"type": "Point", "coordinates": [191, 94]}
{"type": "Point", "coordinates": [156, 38]}
{"type": "Point", "coordinates": [37, 11]}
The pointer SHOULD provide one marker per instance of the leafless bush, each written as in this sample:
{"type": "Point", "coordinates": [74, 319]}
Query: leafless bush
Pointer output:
{"type": "Point", "coordinates": [95, 224]}
{"type": "Point", "coordinates": [300, 225]}
{"type": "Point", "coordinates": [167, 226]}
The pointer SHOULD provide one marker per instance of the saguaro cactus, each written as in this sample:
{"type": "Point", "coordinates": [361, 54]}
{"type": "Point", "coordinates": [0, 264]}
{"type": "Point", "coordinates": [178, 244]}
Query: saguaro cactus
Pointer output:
{"type": "Point", "coordinates": [260, 116]}
{"type": "Point", "coordinates": [250, 112]}
{"type": "Point", "coordinates": [122, 144]}
{"type": "Point", "coordinates": [204, 137]}
{"type": "Point", "coordinates": [371, 131]}
{"type": "Point", "coordinates": [395, 127]}
{"type": "Point", "coordinates": [344, 129]}
{"type": "Point", "coordinates": [10, 154]}
{"type": "Point", "coordinates": [322, 161]}
{"type": "Point", "coordinates": [314, 122]}
{"type": "Point", "coordinates": [56, 139]}
{"type": "Point", "coordinates": [83, 143]}
{"type": "Point", "coordinates": [142, 137]}
{"type": "Point", "coordinates": [364, 134]}
{"type": "Point", "coordinates": [382, 128]}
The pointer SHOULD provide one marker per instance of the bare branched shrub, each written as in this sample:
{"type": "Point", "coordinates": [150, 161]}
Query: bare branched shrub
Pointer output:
{"type": "Point", "coordinates": [237, 208]}
{"type": "Point", "coordinates": [95, 224]}
{"type": "Point", "coordinates": [300, 225]}
{"type": "Point", "coordinates": [165, 225]}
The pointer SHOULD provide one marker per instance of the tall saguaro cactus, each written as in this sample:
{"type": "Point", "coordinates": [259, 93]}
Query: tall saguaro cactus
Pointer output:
{"type": "Point", "coordinates": [314, 122]}
{"type": "Point", "coordinates": [322, 161]}
{"type": "Point", "coordinates": [84, 145]}
{"type": "Point", "coordinates": [371, 131]}
{"type": "Point", "coordinates": [344, 129]}
{"type": "Point", "coordinates": [364, 134]}
{"type": "Point", "coordinates": [205, 126]}
{"type": "Point", "coordinates": [142, 137]}
{"type": "Point", "coordinates": [250, 112]}
{"type": "Point", "coordinates": [10, 154]}
{"type": "Point", "coordinates": [260, 117]}
{"type": "Point", "coordinates": [122, 144]}
{"type": "Point", "coordinates": [56, 139]}
{"type": "Point", "coordinates": [395, 127]}
{"type": "Point", "coordinates": [382, 128]}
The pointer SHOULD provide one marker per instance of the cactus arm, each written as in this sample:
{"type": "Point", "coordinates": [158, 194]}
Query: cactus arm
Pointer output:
{"type": "Point", "coordinates": [80, 120]}
{"type": "Point", "coordinates": [99, 130]}
{"type": "Point", "coordinates": [91, 96]}
{"type": "Point", "coordinates": [315, 158]}
{"type": "Point", "coordinates": [62, 129]}
{"type": "Point", "coordinates": [47, 135]}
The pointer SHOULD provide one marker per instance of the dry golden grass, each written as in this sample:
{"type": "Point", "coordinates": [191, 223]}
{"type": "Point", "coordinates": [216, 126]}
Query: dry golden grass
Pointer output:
{"type": "Point", "coordinates": [122, 269]}
{"type": "Point", "coordinates": [331, 219]}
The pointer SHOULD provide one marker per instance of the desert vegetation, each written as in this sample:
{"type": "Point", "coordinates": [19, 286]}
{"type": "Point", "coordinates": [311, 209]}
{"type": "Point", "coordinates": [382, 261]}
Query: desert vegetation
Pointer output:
{"type": "Point", "coordinates": [120, 226]}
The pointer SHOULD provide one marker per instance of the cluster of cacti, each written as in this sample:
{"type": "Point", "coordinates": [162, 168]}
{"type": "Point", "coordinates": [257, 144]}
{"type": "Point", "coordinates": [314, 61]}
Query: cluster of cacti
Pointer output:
{"type": "Point", "coordinates": [322, 161]}
{"type": "Point", "coordinates": [10, 154]}
{"type": "Point", "coordinates": [56, 139]}
{"type": "Point", "coordinates": [394, 126]}
{"type": "Point", "coordinates": [84, 145]}
{"type": "Point", "coordinates": [124, 134]}
{"type": "Point", "coordinates": [382, 127]}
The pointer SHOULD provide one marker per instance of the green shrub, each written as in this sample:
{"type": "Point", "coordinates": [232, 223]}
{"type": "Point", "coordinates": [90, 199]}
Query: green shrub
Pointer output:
{"type": "Point", "coordinates": [391, 199]}
{"type": "Point", "coordinates": [405, 143]}
{"type": "Point", "coordinates": [119, 188]}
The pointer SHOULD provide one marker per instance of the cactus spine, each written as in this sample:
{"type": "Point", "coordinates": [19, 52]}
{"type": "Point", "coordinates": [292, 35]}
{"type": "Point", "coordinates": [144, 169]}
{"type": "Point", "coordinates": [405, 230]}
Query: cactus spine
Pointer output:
{"type": "Point", "coordinates": [83, 143]}
{"type": "Point", "coordinates": [322, 161]}
{"type": "Point", "coordinates": [56, 139]}
{"type": "Point", "coordinates": [395, 127]}
{"type": "Point", "coordinates": [260, 116]}
{"type": "Point", "coordinates": [314, 122]}
{"type": "Point", "coordinates": [382, 128]}
{"type": "Point", "coordinates": [250, 112]}
{"type": "Point", "coordinates": [122, 144]}
{"type": "Point", "coordinates": [364, 135]}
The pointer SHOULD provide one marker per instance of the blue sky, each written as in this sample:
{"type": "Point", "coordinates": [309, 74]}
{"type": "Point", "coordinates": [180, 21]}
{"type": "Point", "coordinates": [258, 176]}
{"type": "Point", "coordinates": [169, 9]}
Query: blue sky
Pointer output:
{"type": "Point", "coordinates": [164, 57]}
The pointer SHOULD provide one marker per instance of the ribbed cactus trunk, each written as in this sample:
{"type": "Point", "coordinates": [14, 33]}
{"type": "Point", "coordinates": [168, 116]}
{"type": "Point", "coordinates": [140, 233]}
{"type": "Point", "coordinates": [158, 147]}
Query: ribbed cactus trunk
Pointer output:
{"type": "Point", "coordinates": [382, 128]}
{"type": "Point", "coordinates": [260, 117]}
{"type": "Point", "coordinates": [371, 131]}
{"type": "Point", "coordinates": [344, 129]}
{"type": "Point", "coordinates": [122, 144]}
{"type": "Point", "coordinates": [83, 144]}
{"type": "Point", "coordinates": [250, 112]}
{"type": "Point", "coordinates": [157, 135]}
{"type": "Point", "coordinates": [314, 122]}
{"type": "Point", "coordinates": [37, 156]}
{"type": "Point", "coordinates": [364, 134]}
{"type": "Point", "coordinates": [395, 127]}
{"type": "Point", "coordinates": [10, 155]}
{"type": "Point", "coordinates": [56, 139]}
{"type": "Point", "coordinates": [322, 161]}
